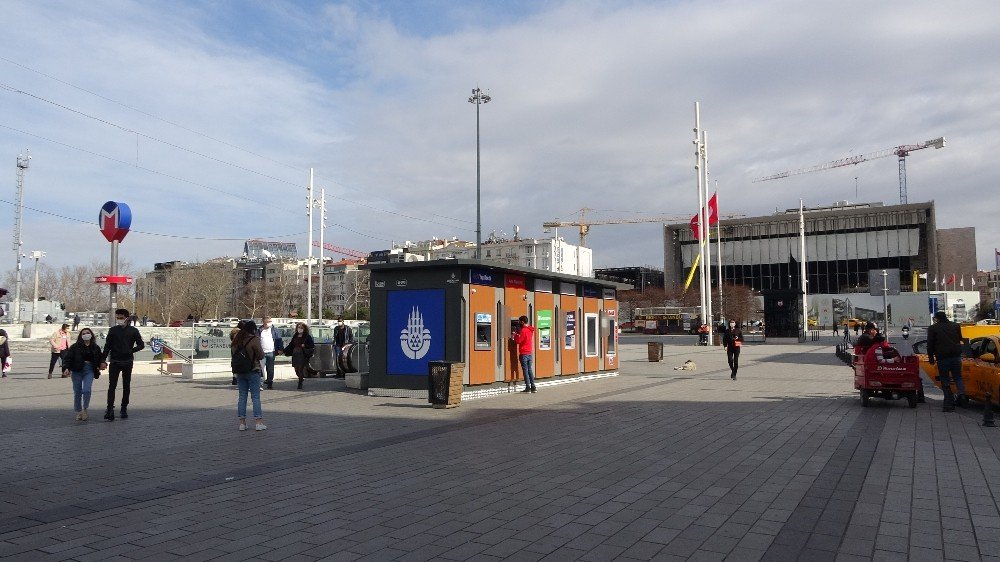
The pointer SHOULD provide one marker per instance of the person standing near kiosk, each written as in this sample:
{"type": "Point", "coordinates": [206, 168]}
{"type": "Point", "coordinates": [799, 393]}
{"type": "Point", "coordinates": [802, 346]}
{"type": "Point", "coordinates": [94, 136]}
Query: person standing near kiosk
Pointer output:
{"type": "Point", "coordinates": [124, 340]}
{"type": "Point", "coordinates": [524, 339]}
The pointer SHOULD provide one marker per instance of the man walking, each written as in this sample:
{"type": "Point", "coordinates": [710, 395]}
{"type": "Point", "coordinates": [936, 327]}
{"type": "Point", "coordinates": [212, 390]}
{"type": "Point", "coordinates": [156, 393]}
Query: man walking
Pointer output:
{"type": "Point", "coordinates": [524, 339]}
{"type": "Point", "coordinates": [270, 342]}
{"type": "Point", "coordinates": [124, 340]}
{"type": "Point", "coordinates": [342, 335]}
{"type": "Point", "coordinates": [944, 347]}
{"type": "Point", "coordinates": [59, 343]}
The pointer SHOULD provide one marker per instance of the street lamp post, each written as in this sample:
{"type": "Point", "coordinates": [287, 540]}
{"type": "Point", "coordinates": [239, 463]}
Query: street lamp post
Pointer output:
{"type": "Point", "coordinates": [35, 255]}
{"type": "Point", "coordinates": [478, 97]}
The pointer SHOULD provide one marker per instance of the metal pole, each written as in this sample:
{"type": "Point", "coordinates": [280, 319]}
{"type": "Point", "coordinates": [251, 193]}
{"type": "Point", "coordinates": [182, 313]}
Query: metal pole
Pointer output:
{"type": "Point", "coordinates": [34, 301]}
{"type": "Point", "coordinates": [22, 165]}
{"type": "Point", "coordinates": [885, 299]}
{"type": "Point", "coordinates": [113, 287]}
{"type": "Point", "coordinates": [802, 269]}
{"type": "Point", "coordinates": [322, 261]}
{"type": "Point", "coordinates": [718, 248]}
{"type": "Point", "coordinates": [701, 206]}
{"type": "Point", "coordinates": [478, 97]}
{"type": "Point", "coordinates": [309, 262]}
{"type": "Point", "coordinates": [707, 238]}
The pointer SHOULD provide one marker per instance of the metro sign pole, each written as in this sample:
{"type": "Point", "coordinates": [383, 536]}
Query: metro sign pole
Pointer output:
{"type": "Point", "coordinates": [114, 220]}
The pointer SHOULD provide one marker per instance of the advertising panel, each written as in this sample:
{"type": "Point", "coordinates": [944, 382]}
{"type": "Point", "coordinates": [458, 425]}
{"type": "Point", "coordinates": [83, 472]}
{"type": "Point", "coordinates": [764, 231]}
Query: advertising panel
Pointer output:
{"type": "Point", "coordinates": [415, 330]}
{"type": "Point", "coordinates": [571, 330]}
{"type": "Point", "coordinates": [544, 325]}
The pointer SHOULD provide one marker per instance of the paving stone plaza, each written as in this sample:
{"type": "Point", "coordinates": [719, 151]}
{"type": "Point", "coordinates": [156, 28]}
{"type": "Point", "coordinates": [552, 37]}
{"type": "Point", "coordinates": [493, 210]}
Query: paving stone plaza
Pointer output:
{"type": "Point", "coordinates": [655, 463]}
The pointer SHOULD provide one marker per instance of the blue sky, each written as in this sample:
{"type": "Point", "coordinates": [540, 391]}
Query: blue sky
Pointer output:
{"type": "Point", "coordinates": [205, 117]}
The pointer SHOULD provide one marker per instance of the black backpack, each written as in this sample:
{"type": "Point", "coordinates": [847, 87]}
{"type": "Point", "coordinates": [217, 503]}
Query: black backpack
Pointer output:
{"type": "Point", "coordinates": [242, 363]}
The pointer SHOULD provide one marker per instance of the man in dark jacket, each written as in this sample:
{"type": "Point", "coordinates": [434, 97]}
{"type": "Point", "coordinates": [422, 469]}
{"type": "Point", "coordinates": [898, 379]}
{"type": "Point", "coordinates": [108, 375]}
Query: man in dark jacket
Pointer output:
{"type": "Point", "coordinates": [124, 340]}
{"type": "Point", "coordinates": [342, 335]}
{"type": "Point", "coordinates": [944, 347]}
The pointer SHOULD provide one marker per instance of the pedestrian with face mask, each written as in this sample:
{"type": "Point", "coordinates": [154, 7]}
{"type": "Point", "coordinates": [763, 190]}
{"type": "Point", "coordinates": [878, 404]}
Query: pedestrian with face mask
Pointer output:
{"type": "Point", "coordinates": [271, 344]}
{"type": "Point", "coordinates": [83, 363]}
{"type": "Point", "coordinates": [123, 341]}
{"type": "Point", "coordinates": [4, 352]}
{"type": "Point", "coordinates": [300, 349]}
{"type": "Point", "coordinates": [732, 340]}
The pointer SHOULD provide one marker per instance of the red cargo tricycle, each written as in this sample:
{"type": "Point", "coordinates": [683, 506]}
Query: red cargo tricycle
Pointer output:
{"type": "Point", "coordinates": [890, 380]}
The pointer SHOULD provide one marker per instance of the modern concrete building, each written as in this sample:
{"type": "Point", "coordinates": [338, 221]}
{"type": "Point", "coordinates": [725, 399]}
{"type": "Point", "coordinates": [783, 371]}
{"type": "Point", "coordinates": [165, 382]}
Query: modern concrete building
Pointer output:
{"type": "Point", "coordinates": [843, 243]}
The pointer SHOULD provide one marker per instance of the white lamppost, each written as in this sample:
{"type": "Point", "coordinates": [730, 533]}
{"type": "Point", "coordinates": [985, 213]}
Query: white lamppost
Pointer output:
{"type": "Point", "coordinates": [35, 255]}
{"type": "Point", "coordinates": [478, 97]}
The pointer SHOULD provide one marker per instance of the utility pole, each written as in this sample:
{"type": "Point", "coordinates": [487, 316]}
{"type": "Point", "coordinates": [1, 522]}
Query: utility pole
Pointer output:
{"type": "Point", "coordinates": [322, 259]}
{"type": "Point", "coordinates": [22, 166]}
{"type": "Point", "coordinates": [35, 255]}
{"type": "Point", "coordinates": [309, 263]}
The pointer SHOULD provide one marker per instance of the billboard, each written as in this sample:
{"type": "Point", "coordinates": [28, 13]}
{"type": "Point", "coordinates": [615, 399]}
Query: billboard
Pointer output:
{"type": "Point", "coordinates": [415, 330]}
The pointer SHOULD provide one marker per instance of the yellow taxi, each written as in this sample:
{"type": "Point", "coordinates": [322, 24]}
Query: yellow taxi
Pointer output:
{"type": "Point", "coordinates": [852, 322]}
{"type": "Point", "coordinates": [980, 366]}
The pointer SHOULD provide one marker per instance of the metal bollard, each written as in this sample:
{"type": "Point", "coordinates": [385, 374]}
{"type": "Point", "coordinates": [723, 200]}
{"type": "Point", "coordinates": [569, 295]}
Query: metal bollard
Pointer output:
{"type": "Point", "coordinates": [988, 420]}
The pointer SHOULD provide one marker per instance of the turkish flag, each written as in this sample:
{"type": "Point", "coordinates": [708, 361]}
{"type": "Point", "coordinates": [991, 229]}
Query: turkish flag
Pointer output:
{"type": "Point", "coordinates": [949, 279]}
{"type": "Point", "coordinates": [713, 216]}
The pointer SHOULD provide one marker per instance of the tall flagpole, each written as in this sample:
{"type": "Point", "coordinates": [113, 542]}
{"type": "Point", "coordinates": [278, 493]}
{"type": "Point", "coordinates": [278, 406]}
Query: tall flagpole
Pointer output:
{"type": "Point", "coordinates": [309, 263]}
{"type": "Point", "coordinates": [718, 246]}
{"type": "Point", "coordinates": [802, 268]}
{"type": "Point", "coordinates": [701, 208]}
{"type": "Point", "coordinates": [706, 237]}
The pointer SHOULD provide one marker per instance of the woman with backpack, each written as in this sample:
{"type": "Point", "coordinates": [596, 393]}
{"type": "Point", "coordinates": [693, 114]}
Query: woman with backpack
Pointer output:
{"type": "Point", "coordinates": [247, 353]}
{"type": "Point", "coordinates": [83, 363]}
{"type": "Point", "coordinates": [300, 349]}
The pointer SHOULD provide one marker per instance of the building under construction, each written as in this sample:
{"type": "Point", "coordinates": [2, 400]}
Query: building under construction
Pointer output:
{"type": "Point", "coordinates": [843, 242]}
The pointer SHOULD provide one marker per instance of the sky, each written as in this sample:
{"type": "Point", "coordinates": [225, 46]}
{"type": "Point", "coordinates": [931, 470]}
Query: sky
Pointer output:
{"type": "Point", "coordinates": [205, 118]}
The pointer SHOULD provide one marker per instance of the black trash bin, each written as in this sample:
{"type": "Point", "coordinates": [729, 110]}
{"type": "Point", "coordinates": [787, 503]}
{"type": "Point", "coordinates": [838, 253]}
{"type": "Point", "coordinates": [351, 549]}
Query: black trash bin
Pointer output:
{"type": "Point", "coordinates": [444, 383]}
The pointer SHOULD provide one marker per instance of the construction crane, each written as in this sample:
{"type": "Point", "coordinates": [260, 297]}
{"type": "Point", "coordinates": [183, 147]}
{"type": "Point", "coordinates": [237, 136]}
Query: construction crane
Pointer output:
{"type": "Point", "coordinates": [901, 151]}
{"type": "Point", "coordinates": [343, 251]}
{"type": "Point", "coordinates": [585, 224]}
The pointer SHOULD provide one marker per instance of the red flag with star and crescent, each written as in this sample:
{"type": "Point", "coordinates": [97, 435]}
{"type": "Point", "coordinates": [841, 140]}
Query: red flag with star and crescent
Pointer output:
{"type": "Point", "coordinates": [713, 216]}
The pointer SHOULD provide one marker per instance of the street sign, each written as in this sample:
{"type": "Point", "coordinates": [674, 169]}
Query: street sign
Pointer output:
{"type": "Point", "coordinates": [114, 220]}
{"type": "Point", "coordinates": [116, 279]}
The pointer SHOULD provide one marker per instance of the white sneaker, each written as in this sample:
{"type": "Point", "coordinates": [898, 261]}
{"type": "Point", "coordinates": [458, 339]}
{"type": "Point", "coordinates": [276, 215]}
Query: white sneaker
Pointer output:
{"type": "Point", "coordinates": [260, 427]}
{"type": "Point", "coordinates": [243, 427]}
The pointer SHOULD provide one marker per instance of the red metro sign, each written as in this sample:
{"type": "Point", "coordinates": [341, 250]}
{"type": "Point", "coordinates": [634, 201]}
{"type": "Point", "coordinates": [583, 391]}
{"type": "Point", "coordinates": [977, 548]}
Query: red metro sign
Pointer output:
{"type": "Point", "coordinates": [114, 220]}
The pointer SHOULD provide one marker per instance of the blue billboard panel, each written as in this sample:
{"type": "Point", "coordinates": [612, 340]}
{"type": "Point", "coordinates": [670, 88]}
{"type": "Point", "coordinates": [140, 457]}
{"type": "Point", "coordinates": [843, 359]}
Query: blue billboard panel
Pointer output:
{"type": "Point", "coordinates": [415, 330]}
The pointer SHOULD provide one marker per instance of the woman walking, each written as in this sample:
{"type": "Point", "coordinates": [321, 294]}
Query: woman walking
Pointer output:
{"type": "Point", "coordinates": [300, 349]}
{"type": "Point", "coordinates": [732, 340]}
{"type": "Point", "coordinates": [4, 352]}
{"type": "Point", "coordinates": [83, 363]}
{"type": "Point", "coordinates": [247, 353]}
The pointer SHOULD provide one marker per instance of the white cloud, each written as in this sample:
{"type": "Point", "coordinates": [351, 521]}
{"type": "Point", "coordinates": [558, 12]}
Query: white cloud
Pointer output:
{"type": "Point", "coordinates": [592, 106]}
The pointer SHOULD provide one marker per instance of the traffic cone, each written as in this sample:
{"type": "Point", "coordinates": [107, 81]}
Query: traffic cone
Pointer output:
{"type": "Point", "coordinates": [988, 420]}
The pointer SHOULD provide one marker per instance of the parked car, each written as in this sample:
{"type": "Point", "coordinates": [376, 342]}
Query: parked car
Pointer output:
{"type": "Point", "coordinates": [980, 365]}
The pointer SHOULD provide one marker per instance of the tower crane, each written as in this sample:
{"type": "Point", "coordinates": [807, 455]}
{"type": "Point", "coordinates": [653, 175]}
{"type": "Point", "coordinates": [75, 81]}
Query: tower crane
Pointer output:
{"type": "Point", "coordinates": [585, 224]}
{"type": "Point", "coordinates": [343, 251]}
{"type": "Point", "coordinates": [901, 151]}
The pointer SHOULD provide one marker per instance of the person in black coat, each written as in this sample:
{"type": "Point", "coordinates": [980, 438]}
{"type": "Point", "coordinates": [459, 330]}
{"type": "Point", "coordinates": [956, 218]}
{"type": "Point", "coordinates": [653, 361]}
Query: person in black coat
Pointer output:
{"type": "Point", "coordinates": [4, 352]}
{"type": "Point", "coordinates": [123, 342]}
{"type": "Point", "coordinates": [300, 348]}
{"type": "Point", "coordinates": [732, 340]}
{"type": "Point", "coordinates": [83, 362]}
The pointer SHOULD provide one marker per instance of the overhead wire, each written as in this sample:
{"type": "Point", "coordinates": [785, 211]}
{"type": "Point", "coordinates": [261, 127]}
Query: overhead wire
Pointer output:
{"type": "Point", "coordinates": [200, 134]}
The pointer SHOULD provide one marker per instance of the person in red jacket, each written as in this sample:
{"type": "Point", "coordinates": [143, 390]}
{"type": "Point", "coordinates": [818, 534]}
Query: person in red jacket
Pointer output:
{"type": "Point", "coordinates": [524, 339]}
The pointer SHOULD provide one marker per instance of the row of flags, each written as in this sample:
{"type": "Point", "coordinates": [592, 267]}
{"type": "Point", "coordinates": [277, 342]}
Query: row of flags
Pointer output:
{"type": "Point", "coordinates": [946, 280]}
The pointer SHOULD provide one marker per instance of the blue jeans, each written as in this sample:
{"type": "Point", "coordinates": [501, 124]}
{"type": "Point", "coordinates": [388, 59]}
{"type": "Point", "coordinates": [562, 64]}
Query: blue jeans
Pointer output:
{"type": "Point", "coordinates": [249, 382]}
{"type": "Point", "coordinates": [269, 367]}
{"type": "Point", "coordinates": [950, 368]}
{"type": "Point", "coordinates": [83, 381]}
{"type": "Point", "coordinates": [528, 370]}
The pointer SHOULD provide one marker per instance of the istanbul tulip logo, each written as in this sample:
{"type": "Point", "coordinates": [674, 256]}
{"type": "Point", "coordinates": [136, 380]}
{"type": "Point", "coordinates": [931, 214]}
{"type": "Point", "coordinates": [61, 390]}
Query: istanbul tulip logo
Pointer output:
{"type": "Point", "coordinates": [415, 339]}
